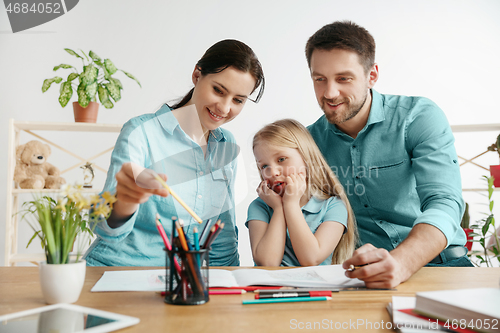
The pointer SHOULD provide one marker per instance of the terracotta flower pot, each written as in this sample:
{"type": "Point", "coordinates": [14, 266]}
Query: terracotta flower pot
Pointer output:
{"type": "Point", "coordinates": [495, 173]}
{"type": "Point", "coordinates": [468, 232]}
{"type": "Point", "coordinates": [86, 115]}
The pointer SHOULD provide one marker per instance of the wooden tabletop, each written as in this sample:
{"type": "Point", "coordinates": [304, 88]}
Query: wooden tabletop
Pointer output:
{"type": "Point", "coordinates": [356, 311]}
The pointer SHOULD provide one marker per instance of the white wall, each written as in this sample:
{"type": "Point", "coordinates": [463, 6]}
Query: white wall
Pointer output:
{"type": "Point", "coordinates": [446, 50]}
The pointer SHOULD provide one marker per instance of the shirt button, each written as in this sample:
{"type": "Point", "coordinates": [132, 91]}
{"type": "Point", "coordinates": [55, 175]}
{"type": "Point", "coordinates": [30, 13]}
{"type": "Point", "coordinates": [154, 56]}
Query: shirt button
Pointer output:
{"type": "Point", "coordinates": [201, 173]}
{"type": "Point", "coordinates": [199, 196]}
{"type": "Point", "coordinates": [353, 146]}
{"type": "Point", "coordinates": [366, 206]}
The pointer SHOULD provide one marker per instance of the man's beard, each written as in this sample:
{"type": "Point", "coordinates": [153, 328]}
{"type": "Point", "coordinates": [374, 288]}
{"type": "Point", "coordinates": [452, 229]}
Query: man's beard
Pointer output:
{"type": "Point", "coordinates": [337, 118]}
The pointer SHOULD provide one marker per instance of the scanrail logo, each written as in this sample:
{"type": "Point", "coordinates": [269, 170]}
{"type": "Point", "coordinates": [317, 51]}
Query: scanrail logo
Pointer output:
{"type": "Point", "coordinates": [26, 14]}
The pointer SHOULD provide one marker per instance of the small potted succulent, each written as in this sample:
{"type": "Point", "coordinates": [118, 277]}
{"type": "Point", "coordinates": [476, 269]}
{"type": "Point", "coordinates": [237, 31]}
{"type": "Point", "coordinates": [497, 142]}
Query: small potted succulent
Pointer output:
{"type": "Point", "coordinates": [465, 224]}
{"type": "Point", "coordinates": [495, 169]}
{"type": "Point", "coordinates": [94, 79]}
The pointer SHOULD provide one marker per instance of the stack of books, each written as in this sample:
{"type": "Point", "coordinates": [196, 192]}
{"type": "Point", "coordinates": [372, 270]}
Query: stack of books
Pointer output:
{"type": "Point", "coordinates": [462, 310]}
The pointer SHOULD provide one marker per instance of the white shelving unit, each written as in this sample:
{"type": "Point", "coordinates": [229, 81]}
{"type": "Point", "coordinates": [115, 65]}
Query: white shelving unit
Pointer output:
{"type": "Point", "coordinates": [470, 129]}
{"type": "Point", "coordinates": [13, 192]}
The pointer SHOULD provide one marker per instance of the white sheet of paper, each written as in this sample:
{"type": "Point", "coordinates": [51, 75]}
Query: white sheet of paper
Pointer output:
{"type": "Point", "coordinates": [328, 276]}
{"type": "Point", "coordinates": [131, 280]}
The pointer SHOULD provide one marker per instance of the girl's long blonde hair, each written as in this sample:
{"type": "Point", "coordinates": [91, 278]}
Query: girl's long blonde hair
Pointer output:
{"type": "Point", "coordinates": [321, 181]}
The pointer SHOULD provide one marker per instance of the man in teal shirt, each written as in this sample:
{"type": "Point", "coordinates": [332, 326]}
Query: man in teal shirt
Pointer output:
{"type": "Point", "coordinates": [395, 157]}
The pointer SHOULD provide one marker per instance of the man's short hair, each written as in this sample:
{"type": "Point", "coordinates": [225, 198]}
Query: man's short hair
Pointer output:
{"type": "Point", "coordinates": [344, 35]}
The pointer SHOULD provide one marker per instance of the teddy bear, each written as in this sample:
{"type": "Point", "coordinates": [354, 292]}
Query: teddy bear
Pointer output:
{"type": "Point", "coordinates": [32, 170]}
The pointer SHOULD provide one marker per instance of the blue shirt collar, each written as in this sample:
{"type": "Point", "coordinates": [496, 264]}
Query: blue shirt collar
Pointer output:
{"type": "Point", "coordinates": [313, 205]}
{"type": "Point", "coordinates": [376, 113]}
{"type": "Point", "coordinates": [169, 123]}
{"type": "Point", "coordinates": [376, 109]}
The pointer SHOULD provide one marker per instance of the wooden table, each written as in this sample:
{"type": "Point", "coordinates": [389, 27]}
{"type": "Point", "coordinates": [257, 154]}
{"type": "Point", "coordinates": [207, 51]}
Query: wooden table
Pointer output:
{"type": "Point", "coordinates": [357, 311]}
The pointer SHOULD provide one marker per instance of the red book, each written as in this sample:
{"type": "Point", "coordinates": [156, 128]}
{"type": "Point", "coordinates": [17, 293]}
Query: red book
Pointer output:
{"type": "Point", "coordinates": [450, 325]}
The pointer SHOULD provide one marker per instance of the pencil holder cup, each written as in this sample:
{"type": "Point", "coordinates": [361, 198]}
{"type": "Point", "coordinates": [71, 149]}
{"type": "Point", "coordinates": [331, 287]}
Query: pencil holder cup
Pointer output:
{"type": "Point", "coordinates": [187, 277]}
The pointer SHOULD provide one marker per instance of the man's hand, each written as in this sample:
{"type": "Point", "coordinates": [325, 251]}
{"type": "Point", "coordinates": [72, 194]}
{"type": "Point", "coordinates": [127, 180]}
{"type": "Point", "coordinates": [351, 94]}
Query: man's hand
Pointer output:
{"type": "Point", "coordinates": [383, 269]}
{"type": "Point", "coordinates": [379, 268]}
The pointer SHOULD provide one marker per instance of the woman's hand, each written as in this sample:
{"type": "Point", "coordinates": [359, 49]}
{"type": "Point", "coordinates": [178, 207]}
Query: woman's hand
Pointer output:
{"type": "Point", "coordinates": [295, 188]}
{"type": "Point", "coordinates": [271, 198]}
{"type": "Point", "coordinates": [135, 184]}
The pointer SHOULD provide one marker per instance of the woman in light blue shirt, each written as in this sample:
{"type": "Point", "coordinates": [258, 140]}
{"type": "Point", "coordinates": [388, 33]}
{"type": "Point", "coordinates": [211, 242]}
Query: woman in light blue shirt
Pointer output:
{"type": "Point", "coordinates": [185, 145]}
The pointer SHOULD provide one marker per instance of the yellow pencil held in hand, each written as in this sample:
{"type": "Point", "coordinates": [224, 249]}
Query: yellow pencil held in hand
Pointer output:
{"type": "Point", "coordinates": [176, 197]}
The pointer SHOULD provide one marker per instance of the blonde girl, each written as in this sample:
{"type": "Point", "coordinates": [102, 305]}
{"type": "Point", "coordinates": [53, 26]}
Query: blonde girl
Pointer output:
{"type": "Point", "coordinates": [302, 216]}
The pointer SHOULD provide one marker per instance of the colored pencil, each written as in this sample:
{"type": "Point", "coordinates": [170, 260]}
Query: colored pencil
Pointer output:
{"type": "Point", "coordinates": [353, 268]}
{"type": "Point", "coordinates": [213, 235]}
{"type": "Point", "coordinates": [220, 292]}
{"type": "Point", "coordinates": [163, 235]}
{"type": "Point", "coordinates": [219, 230]}
{"type": "Point", "coordinates": [226, 292]}
{"type": "Point", "coordinates": [210, 234]}
{"type": "Point", "coordinates": [193, 271]}
{"type": "Point", "coordinates": [247, 288]}
{"type": "Point", "coordinates": [196, 244]}
{"type": "Point", "coordinates": [286, 300]}
{"type": "Point", "coordinates": [285, 294]}
{"type": "Point", "coordinates": [176, 197]}
{"type": "Point", "coordinates": [206, 228]}
{"type": "Point", "coordinates": [196, 240]}
{"type": "Point", "coordinates": [188, 242]}
{"type": "Point", "coordinates": [272, 290]}
{"type": "Point", "coordinates": [180, 234]}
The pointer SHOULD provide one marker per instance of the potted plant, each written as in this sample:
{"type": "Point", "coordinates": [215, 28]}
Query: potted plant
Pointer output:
{"type": "Point", "coordinates": [465, 224]}
{"type": "Point", "coordinates": [495, 169]}
{"type": "Point", "coordinates": [58, 223]}
{"type": "Point", "coordinates": [487, 234]}
{"type": "Point", "coordinates": [94, 79]}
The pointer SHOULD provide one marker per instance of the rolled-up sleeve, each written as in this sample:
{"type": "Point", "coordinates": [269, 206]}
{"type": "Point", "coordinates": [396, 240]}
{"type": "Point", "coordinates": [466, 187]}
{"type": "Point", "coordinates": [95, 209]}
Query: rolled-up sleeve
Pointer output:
{"type": "Point", "coordinates": [430, 141]}
{"type": "Point", "coordinates": [127, 149]}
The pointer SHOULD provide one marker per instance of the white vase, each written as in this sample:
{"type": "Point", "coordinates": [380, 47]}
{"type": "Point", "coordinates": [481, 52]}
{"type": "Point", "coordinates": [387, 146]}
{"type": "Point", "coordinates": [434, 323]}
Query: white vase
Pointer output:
{"type": "Point", "coordinates": [62, 283]}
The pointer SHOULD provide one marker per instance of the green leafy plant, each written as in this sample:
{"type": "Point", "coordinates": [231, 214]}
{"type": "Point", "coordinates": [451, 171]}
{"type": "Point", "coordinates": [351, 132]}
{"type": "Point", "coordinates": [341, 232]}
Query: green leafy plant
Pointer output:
{"type": "Point", "coordinates": [58, 223]}
{"type": "Point", "coordinates": [466, 218]}
{"type": "Point", "coordinates": [95, 78]}
{"type": "Point", "coordinates": [485, 230]}
{"type": "Point", "coordinates": [495, 146]}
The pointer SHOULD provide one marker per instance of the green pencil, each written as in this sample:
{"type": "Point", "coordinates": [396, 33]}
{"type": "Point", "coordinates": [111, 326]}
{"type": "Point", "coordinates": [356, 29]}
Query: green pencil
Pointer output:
{"type": "Point", "coordinates": [287, 300]}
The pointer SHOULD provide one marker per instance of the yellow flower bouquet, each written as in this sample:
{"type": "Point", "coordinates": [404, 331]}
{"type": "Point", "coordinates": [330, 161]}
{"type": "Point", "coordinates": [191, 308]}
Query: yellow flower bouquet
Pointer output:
{"type": "Point", "coordinates": [60, 222]}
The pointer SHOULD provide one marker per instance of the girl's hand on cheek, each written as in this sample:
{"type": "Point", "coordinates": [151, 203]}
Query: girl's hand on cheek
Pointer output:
{"type": "Point", "coordinates": [271, 198]}
{"type": "Point", "coordinates": [295, 188]}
